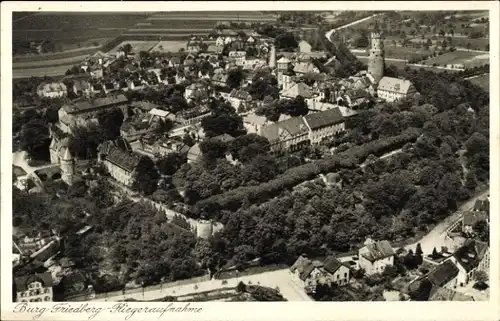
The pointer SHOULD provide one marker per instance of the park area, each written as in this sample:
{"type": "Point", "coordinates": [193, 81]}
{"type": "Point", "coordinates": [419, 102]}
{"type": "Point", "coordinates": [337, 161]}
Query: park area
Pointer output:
{"type": "Point", "coordinates": [137, 46]}
{"type": "Point", "coordinates": [467, 59]}
{"type": "Point", "coordinates": [482, 81]}
{"type": "Point", "coordinates": [169, 46]}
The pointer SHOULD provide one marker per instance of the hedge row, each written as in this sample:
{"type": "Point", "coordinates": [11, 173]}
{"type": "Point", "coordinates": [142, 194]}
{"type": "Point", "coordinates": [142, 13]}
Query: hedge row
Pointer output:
{"type": "Point", "coordinates": [351, 158]}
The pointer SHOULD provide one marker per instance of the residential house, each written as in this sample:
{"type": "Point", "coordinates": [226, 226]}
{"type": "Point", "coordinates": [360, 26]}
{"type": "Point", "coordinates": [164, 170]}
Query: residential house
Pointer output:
{"type": "Point", "coordinates": [470, 218]}
{"type": "Point", "coordinates": [52, 90]}
{"type": "Point", "coordinates": [175, 61]}
{"type": "Point", "coordinates": [482, 205]}
{"type": "Point", "coordinates": [132, 130]}
{"type": "Point", "coordinates": [109, 88]}
{"type": "Point", "coordinates": [81, 112]}
{"type": "Point", "coordinates": [220, 78]}
{"type": "Point", "coordinates": [96, 88]}
{"type": "Point", "coordinates": [118, 159]}
{"type": "Point", "coordinates": [311, 273]}
{"type": "Point", "coordinates": [471, 257]}
{"type": "Point", "coordinates": [290, 134]}
{"type": "Point", "coordinates": [197, 91]}
{"type": "Point", "coordinates": [154, 148]}
{"type": "Point", "coordinates": [393, 89]}
{"type": "Point", "coordinates": [194, 154]}
{"type": "Point", "coordinates": [162, 115]}
{"type": "Point", "coordinates": [36, 287]}
{"type": "Point", "coordinates": [239, 98]}
{"type": "Point", "coordinates": [193, 46]}
{"type": "Point", "coordinates": [297, 89]}
{"type": "Point", "coordinates": [238, 57]}
{"type": "Point", "coordinates": [254, 123]}
{"type": "Point", "coordinates": [136, 85]}
{"type": "Point", "coordinates": [443, 276]}
{"type": "Point", "coordinates": [324, 124]}
{"type": "Point", "coordinates": [304, 46]}
{"type": "Point", "coordinates": [228, 40]}
{"type": "Point", "coordinates": [302, 68]}
{"type": "Point", "coordinates": [219, 42]}
{"type": "Point", "coordinates": [251, 40]}
{"type": "Point", "coordinates": [375, 256]}
{"type": "Point", "coordinates": [96, 73]}
{"type": "Point", "coordinates": [355, 98]}
{"type": "Point", "coordinates": [81, 87]}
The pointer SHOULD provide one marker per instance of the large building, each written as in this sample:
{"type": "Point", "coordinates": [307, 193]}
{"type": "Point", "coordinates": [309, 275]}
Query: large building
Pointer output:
{"type": "Point", "coordinates": [376, 59]}
{"type": "Point", "coordinates": [118, 159]}
{"type": "Point", "coordinates": [82, 112]}
{"type": "Point", "coordinates": [394, 89]}
{"type": "Point", "coordinates": [34, 288]}
{"type": "Point", "coordinates": [324, 124]}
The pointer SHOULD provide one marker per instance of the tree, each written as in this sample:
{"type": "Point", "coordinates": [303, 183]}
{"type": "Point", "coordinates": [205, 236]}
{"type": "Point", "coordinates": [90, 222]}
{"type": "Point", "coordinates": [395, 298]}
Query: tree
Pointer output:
{"type": "Point", "coordinates": [223, 123]}
{"type": "Point", "coordinates": [297, 107]}
{"type": "Point", "coordinates": [241, 287]}
{"type": "Point", "coordinates": [34, 139]}
{"type": "Point", "coordinates": [84, 141]}
{"type": "Point", "coordinates": [286, 41]}
{"type": "Point", "coordinates": [482, 231]}
{"type": "Point", "coordinates": [146, 176]}
{"type": "Point", "coordinates": [481, 276]}
{"type": "Point", "coordinates": [111, 122]}
{"type": "Point", "coordinates": [127, 48]}
{"type": "Point", "coordinates": [213, 149]}
{"type": "Point", "coordinates": [234, 78]}
{"type": "Point", "coordinates": [418, 250]}
{"type": "Point", "coordinates": [435, 253]}
{"type": "Point", "coordinates": [169, 164]}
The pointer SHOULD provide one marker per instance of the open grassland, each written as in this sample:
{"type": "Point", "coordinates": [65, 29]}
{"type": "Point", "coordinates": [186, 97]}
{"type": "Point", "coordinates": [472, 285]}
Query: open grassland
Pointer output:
{"type": "Point", "coordinates": [482, 81]}
{"type": "Point", "coordinates": [49, 63]}
{"type": "Point", "coordinates": [172, 46]}
{"type": "Point", "coordinates": [137, 46]}
{"type": "Point", "coordinates": [466, 58]}
{"type": "Point", "coordinates": [52, 71]}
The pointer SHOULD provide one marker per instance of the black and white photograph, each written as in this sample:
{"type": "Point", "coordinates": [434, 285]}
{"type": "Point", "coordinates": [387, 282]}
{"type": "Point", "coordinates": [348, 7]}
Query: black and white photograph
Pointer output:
{"type": "Point", "coordinates": [249, 156]}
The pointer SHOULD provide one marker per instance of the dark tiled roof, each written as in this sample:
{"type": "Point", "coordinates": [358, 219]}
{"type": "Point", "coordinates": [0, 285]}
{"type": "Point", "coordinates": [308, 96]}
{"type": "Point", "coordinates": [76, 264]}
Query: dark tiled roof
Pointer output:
{"type": "Point", "coordinates": [378, 250]}
{"type": "Point", "coordinates": [97, 87]}
{"type": "Point", "coordinates": [468, 256]}
{"type": "Point", "coordinates": [22, 282]}
{"type": "Point", "coordinates": [109, 86]}
{"type": "Point", "coordinates": [95, 104]}
{"type": "Point", "coordinates": [240, 94]}
{"type": "Point", "coordinates": [304, 266]}
{"type": "Point", "coordinates": [332, 264]}
{"type": "Point", "coordinates": [356, 94]}
{"type": "Point", "coordinates": [442, 274]}
{"type": "Point", "coordinates": [325, 118]}
{"type": "Point", "coordinates": [123, 159]}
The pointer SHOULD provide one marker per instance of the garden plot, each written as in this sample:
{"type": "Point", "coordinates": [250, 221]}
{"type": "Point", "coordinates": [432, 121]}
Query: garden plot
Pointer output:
{"type": "Point", "coordinates": [172, 46]}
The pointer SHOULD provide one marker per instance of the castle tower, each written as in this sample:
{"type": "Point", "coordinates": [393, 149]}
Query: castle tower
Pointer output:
{"type": "Point", "coordinates": [376, 61]}
{"type": "Point", "coordinates": [68, 167]}
{"type": "Point", "coordinates": [272, 57]}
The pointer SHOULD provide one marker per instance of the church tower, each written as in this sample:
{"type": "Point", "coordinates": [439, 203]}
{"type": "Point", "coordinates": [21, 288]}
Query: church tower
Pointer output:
{"type": "Point", "coordinates": [68, 167]}
{"type": "Point", "coordinates": [272, 57]}
{"type": "Point", "coordinates": [376, 61]}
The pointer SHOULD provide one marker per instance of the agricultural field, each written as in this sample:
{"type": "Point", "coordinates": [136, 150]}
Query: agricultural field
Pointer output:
{"type": "Point", "coordinates": [49, 63]}
{"type": "Point", "coordinates": [482, 81]}
{"type": "Point", "coordinates": [466, 58]}
{"type": "Point", "coordinates": [172, 46]}
{"type": "Point", "coordinates": [55, 56]}
{"type": "Point", "coordinates": [137, 46]}
{"type": "Point", "coordinates": [53, 71]}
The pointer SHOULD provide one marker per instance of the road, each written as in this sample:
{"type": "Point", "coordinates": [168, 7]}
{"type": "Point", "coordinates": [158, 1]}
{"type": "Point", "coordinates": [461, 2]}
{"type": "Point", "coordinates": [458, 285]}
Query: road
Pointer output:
{"type": "Point", "coordinates": [280, 278]}
{"type": "Point", "coordinates": [436, 237]}
{"type": "Point", "coordinates": [386, 59]}
{"type": "Point", "coordinates": [329, 33]}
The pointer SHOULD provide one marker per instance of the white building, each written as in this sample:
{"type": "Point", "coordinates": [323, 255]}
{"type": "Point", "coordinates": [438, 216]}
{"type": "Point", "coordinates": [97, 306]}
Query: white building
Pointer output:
{"type": "Point", "coordinates": [52, 90]}
{"type": "Point", "coordinates": [34, 288]}
{"type": "Point", "coordinates": [393, 89]}
{"type": "Point", "coordinates": [375, 256]}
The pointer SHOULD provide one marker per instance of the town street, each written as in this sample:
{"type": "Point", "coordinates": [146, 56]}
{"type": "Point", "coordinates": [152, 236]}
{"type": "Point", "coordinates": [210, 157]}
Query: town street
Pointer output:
{"type": "Point", "coordinates": [280, 278]}
{"type": "Point", "coordinates": [329, 33]}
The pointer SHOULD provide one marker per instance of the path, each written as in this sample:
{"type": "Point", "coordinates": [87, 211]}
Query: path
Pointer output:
{"type": "Point", "coordinates": [477, 76]}
{"type": "Point", "coordinates": [329, 33]}
{"type": "Point", "coordinates": [436, 237]}
{"type": "Point", "coordinates": [280, 278]}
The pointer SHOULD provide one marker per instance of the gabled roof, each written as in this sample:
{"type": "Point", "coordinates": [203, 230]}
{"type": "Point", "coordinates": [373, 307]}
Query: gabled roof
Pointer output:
{"type": "Point", "coordinates": [356, 94]}
{"type": "Point", "coordinates": [324, 118]}
{"type": "Point", "coordinates": [22, 282]}
{"type": "Point", "coordinates": [377, 250]}
{"type": "Point", "coordinates": [109, 86]}
{"type": "Point", "coordinates": [305, 266]}
{"type": "Point", "coordinates": [470, 254]}
{"type": "Point", "coordinates": [297, 89]}
{"type": "Point", "coordinates": [240, 94]}
{"type": "Point", "coordinates": [292, 127]}
{"type": "Point", "coordinates": [303, 67]}
{"type": "Point", "coordinates": [472, 217]}
{"type": "Point", "coordinates": [332, 264]}
{"type": "Point", "coordinates": [123, 159]}
{"type": "Point", "coordinates": [401, 86]}
{"type": "Point", "coordinates": [442, 274]}
{"type": "Point", "coordinates": [284, 60]}
{"type": "Point", "coordinates": [95, 104]}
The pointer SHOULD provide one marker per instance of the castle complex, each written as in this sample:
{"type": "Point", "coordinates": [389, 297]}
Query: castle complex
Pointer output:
{"type": "Point", "coordinates": [376, 62]}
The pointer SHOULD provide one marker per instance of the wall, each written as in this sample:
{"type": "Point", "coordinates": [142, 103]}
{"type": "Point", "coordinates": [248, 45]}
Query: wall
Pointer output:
{"type": "Point", "coordinates": [45, 294]}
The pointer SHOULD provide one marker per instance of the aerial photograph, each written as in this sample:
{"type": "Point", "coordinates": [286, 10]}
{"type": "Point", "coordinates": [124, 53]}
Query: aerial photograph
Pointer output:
{"type": "Point", "coordinates": [204, 156]}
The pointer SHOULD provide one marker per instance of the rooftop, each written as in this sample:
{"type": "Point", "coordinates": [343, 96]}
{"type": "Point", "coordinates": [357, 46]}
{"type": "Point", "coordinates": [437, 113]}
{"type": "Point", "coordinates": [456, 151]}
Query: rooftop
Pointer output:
{"type": "Point", "coordinates": [87, 105]}
{"type": "Point", "coordinates": [324, 118]}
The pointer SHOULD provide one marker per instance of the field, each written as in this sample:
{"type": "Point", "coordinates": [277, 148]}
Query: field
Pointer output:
{"type": "Point", "coordinates": [49, 63]}
{"type": "Point", "coordinates": [172, 46]}
{"type": "Point", "coordinates": [52, 71]}
{"type": "Point", "coordinates": [466, 58]}
{"type": "Point", "coordinates": [137, 46]}
{"type": "Point", "coordinates": [482, 81]}
{"type": "Point", "coordinates": [405, 52]}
